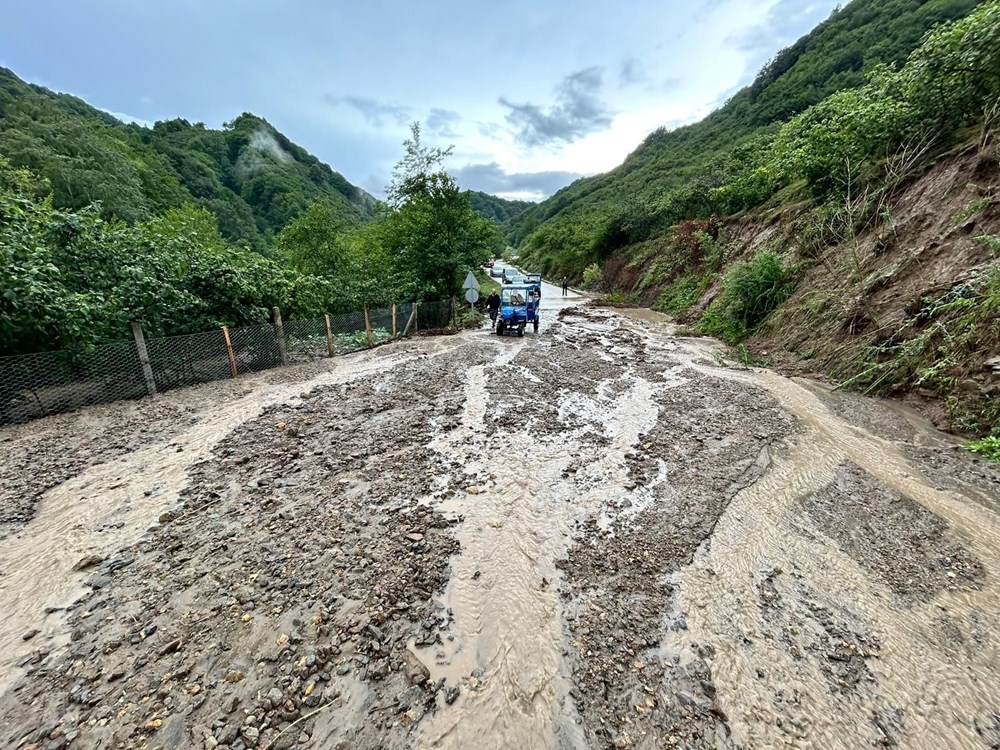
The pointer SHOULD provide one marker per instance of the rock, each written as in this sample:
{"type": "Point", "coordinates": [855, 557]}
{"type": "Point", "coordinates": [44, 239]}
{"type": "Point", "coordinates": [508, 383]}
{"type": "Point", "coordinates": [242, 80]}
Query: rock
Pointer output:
{"type": "Point", "coordinates": [451, 694]}
{"type": "Point", "coordinates": [88, 562]}
{"type": "Point", "coordinates": [275, 697]}
{"type": "Point", "coordinates": [250, 735]}
{"type": "Point", "coordinates": [406, 699]}
{"type": "Point", "coordinates": [415, 537]}
{"type": "Point", "coordinates": [234, 675]}
{"type": "Point", "coordinates": [227, 734]}
{"type": "Point", "coordinates": [167, 516]}
{"type": "Point", "coordinates": [30, 634]}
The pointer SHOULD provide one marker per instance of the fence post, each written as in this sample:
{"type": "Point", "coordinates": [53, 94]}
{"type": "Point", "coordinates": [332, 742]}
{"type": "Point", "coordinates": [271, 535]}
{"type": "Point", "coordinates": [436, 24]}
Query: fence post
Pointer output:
{"type": "Point", "coordinates": [279, 334]}
{"type": "Point", "coordinates": [229, 351]}
{"type": "Point", "coordinates": [368, 328]}
{"type": "Point", "coordinates": [394, 320]}
{"type": "Point", "coordinates": [329, 336]}
{"type": "Point", "coordinates": [147, 370]}
{"type": "Point", "coordinates": [416, 316]}
{"type": "Point", "coordinates": [409, 322]}
{"type": "Point", "coordinates": [453, 313]}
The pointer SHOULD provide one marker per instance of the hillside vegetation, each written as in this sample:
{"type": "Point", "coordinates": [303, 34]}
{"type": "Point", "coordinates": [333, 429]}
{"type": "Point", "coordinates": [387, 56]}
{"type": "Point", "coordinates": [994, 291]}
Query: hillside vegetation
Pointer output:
{"type": "Point", "coordinates": [251, 177]}
{"type": "Point", "coordinates": [496, 209]}
{"type": "Point", "coordinates": [858, 237]}
{"type": "Point", "coordinates": [673, 175]}
{"type": "Point", "coordinates": [183, 228]}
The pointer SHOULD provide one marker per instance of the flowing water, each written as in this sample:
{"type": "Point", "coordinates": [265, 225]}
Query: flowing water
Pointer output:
{"type": "Point", "coordinates": [815, 642]}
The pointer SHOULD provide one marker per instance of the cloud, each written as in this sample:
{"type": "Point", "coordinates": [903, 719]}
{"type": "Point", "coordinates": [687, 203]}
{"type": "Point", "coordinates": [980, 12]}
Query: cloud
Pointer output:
{"type": "Point", "coordinates": [632, 71]}
{"type": "Point", "coordinates": [440, 122]}
{"type": "Point", "coordinates": [491, 130]}
{"type": "Point", "coordinates": [781, 26]}
{"type": "Point", "coordinates": [492, 178]}
{"type": "Point", "coordinates": [129, 118]}
{"type": "Point", "coordinates": [578, 111]}
{"type": "Point", "coordinates": [376, 113]}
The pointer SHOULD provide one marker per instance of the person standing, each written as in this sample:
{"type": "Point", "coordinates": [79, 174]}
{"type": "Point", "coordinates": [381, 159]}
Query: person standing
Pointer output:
{"type": "Point", "coordinates": [565, 287]}
{"type": "Point", "coordinates": [493, 305]}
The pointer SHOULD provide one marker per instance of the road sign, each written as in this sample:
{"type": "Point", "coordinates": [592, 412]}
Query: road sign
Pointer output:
{"type": "Point", "coordinates": [470, 283]}
{"type": "Point", "coordinates": [472, 296]}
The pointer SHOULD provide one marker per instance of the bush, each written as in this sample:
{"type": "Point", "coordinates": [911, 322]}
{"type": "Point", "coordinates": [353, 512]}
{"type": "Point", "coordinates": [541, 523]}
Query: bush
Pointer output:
{"type": "Point", "coordinates": [592, 276]}
{"type": "Point", "coordinates": [989, 447]}
{"type": "Point", "coordinates": [751, 291]}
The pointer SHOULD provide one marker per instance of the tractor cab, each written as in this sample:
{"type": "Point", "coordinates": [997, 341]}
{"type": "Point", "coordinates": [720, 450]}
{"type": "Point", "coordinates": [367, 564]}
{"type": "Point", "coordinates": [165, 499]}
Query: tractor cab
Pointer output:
{"type": "Point", "coordinates": [518, 308]}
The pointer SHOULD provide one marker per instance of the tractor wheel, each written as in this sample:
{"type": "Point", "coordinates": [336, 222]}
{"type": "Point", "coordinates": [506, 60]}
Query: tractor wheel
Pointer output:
{"type": "Point", "coordinates": [520, 330]}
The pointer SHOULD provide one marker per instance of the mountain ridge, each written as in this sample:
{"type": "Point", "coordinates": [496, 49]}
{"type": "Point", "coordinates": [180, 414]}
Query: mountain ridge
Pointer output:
{"type": "Point", "coordinates": [248, 174]}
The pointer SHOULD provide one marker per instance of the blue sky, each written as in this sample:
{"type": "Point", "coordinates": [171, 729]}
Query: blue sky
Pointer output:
{"type": "Point", "coordinates": [531, 93]}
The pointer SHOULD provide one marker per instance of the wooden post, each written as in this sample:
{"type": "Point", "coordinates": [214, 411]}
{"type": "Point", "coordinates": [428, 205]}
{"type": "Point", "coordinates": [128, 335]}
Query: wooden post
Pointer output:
{"type": "Point", "coordinates": [279, 334]}
{"type": "Point", "coordinates": [329, 336]}
{"type": "Point", "coordinates": [453, 313]}
{"type": "Point", "coordinates": [147, 369]}
{"type": "Point", "coordinates": [368, 328]}
{"type": "Point", "coordinates": [409, 322]}
{"type": "Point", "coordinates": [416, 316]}
{"type": "Point", "coordinates": [394, 320]}
{"type": "Point", "coordinates": [229, 351]}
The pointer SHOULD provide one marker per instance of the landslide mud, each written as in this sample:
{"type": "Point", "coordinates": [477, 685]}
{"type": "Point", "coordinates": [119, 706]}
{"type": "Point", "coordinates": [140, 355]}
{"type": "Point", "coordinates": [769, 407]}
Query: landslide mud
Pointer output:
{"type": "Point", "coordinates": [600, 536]}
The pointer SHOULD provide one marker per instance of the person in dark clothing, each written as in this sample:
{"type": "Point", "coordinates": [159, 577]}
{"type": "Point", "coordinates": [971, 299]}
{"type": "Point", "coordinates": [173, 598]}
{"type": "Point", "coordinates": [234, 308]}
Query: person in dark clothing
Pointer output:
{"type": "Point", "coordinates": [493, 305]}
{"type": "Point", "coordinates": [565, 287]}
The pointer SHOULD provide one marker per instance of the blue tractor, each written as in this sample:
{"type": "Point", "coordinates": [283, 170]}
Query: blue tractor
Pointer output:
{"type": "Point", "coordinates": [518, 309]}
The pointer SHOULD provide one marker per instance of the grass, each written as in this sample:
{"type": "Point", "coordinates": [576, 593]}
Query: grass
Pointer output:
{"type": "Point", "coordinates": [487, 284]}
{"type": "Point", "coordinates": [988, 447]}
{"type": "Point", "coordinates": [679, 296]}
{"type": "Point", "coordinates": [930, 351]}
{"type": "Point", "coordinates": [751, 291]}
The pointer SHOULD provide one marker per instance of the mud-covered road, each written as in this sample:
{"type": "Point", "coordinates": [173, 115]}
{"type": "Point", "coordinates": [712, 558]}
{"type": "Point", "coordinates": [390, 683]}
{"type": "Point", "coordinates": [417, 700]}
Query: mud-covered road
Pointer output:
{"type": "Point", "coordinates": [600, 536]}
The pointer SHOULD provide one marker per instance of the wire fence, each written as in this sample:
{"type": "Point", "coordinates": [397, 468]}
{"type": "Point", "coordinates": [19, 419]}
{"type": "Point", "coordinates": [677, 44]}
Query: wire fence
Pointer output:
{"type": "Point", "coordinates": [38, 385]}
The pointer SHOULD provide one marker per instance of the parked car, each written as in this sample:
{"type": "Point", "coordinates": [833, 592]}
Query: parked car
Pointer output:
{"type": "Point", "coordinates": [496, 271]}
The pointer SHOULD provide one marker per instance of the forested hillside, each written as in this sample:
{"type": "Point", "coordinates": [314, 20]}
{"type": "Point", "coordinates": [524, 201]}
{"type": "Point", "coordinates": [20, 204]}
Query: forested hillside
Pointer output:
{"type": "Point", "coordinates": [839, 215]}
{"type": "Point", "coordinates": [250, 176]}
{"type": "Point", "coordinates": [496, 209]}
{"type": "Point", "coordinates": [184, 229]}
{"type": "Point", "coordinates": [671, 174]}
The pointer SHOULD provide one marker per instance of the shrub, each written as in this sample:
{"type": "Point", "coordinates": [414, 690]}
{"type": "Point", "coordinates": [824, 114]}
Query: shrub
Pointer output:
{"type": "Point", "coordinates": [751, 291]}
{"type": "Point", "coordinates": [989, 447]}
{"type": "Point", "coordinates": [592, 276]}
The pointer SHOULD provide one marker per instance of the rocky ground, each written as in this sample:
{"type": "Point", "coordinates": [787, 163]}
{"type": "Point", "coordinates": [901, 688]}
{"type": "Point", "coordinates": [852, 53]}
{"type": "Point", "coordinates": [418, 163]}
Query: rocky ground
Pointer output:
{"type": "Point", "coordinates": [598, 537]}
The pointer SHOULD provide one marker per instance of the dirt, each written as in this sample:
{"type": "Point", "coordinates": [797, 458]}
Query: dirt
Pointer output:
{"type": "Point", "coordinates": [854, 295]}
{"type": "Point", "coordinates": [597, 537]}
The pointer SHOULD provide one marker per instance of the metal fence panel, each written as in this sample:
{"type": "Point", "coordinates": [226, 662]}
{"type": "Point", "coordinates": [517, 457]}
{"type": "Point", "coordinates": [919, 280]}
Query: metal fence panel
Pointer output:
{"type": "Point", "coordinates": [348, 332]}
{"type": "Point", "coordinates": [179, 361]}
{"type": "Point", "coordinates": [37, 385]}
{"type": "Point", "coordinates": [305, 339]}
{"type": "Point", "coordinates": [434, 315]}
{"type": "Point", "coordinates": [255, 348]}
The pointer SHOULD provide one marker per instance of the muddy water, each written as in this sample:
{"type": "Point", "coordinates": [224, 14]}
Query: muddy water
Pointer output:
{"type": "Point", "coordinates": [110, 506]}
{"type": "Point", "coordinates": [934, 683]}
{"type": "Point", "coordinates": [507, 648]}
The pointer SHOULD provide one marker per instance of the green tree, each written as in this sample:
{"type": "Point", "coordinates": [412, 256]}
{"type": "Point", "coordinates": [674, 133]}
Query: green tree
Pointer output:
{"type": "Point", "coordinates": [430, 230]}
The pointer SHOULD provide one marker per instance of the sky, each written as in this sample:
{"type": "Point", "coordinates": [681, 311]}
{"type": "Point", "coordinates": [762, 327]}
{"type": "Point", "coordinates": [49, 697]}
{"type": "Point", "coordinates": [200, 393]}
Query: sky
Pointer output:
{"type": "Point", "coordinates": [532, 94]}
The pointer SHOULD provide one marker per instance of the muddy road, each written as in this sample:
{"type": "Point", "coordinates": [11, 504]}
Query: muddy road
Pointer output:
{"type": "Point", "coordinates": [602, 536]}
